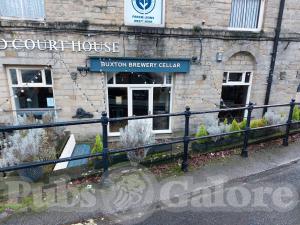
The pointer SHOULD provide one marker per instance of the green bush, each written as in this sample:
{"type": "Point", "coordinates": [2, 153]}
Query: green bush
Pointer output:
{"type": "Point", "coordinates": [254, 124]}
{"type": "Point", "coordinates": [296, 114]}
{"type": "Point", "coordinates": [98, 146]}
{"type": "Point", "coordinates": [202, 132]}
{"type": "Point", "coordinates": [235, 127]}
{"type": "Point", "coordinates": [243, 124]}
{"type": "Point", "coordinates": [258, 123]}
{"type": "Point", "coordinates": [262, 122]}
{"type": "Point", "coordinates": [225, 121]}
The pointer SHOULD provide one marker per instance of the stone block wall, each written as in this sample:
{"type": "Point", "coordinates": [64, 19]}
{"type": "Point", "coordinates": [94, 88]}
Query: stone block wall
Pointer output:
{"type": "Point", "coordinates": [204, 14]}
{"type": "Point", "coordinates": [200, 89]}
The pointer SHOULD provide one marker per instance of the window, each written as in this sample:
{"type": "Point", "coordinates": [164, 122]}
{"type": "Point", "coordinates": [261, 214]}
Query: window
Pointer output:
{"type": "Point", "coordinates": [246, 14]}
{"type": "Point", "coordinates": [22, 9]}
{"type": "Point", "coordinates": [236, 78]}
{"type": "Point", "coordinates": [31, 90]}
{"type": "Point", "coordinates": [235, 93]}
{"type": "Point", "coordinates": [139, 94]}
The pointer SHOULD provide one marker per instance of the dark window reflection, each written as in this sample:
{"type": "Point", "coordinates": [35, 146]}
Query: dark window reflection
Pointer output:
{"type": "Point", "coordinates": [140, 102]}
{"type": "Point", "coordinates": [48, 77]}
{"type": "Point", "coordinates": [139, 78]}
{"type": "Point", "coordinates": [118, 107]}
{"type": "Point", "coordinates": [110, 78]}
{"type": "Point", "coordinates": [233, 97]}
{"type": "Point", "coordinates": [31, 76]}
{"type": "Point", "coordinates": [247, 78]}
{"type": "Point", "coordinates": [33, 97]}
{"type": "Point", "coordinates": [161, 105]}
{"type": "Point", "coordinates": [235, 77]}
{"type": "Point", "coordinates": [13, 75]}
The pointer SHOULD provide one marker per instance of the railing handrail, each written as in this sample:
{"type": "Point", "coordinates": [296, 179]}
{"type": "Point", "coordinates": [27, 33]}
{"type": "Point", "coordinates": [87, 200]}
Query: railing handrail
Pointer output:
{"type": "Point", "coordinates": [186, 139]}
{"type": "Point", "coordinates": [7, 128]}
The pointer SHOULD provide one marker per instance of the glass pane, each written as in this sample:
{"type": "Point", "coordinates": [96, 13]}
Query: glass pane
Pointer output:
{"type": "Point", "coordinates": [225, 77]}
{"type": "Point", "coordinates": [245, 13]}
{"type": "Point", "coordinates": [118, 107]}
{"type": "Point", "coordinates": [235, 77]}
{"type": "Point", "coordinates": [48, 77]}
{"type": "Point", "coordinates": [247, 78]}
{"type": "Point", "coordinates": [110, 78]}
{"type": "Point", "coordinates": [31, 76]}
{"type": "Point", "coordinates": [234, 97]}
{"type": "Point", "coordinates": [11, 8]}
{"type": "Point", "coordinates": [169, 79]}
{"type": "Point", "coordinates": [139, 78]}
{"type": "Point", "coordinates": [33, 97]}
{"type": "Point", "coordinates": [34, 9]}
{"type": "Point", "coordinates": [13, 76]}
{"type": "Point", "coordinates": [140, 102]}
{"type": "Point", "coordinates": [161, 105]}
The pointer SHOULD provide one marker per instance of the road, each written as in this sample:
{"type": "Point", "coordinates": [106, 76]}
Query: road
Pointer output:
{"type": "Point", "coordinates": [287, 178]}
{"type": "Point", "coordinates": [270, 198]}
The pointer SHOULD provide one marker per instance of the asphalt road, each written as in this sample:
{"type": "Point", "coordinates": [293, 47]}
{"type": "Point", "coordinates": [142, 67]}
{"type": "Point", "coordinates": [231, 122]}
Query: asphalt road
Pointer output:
{"type": "Point", "coordinates": [277, 209]}
{"type": "Point", "coordinates": [242, 203]}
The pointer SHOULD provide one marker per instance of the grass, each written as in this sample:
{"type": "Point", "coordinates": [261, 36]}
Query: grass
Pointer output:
{"type": "Point", "coordinates": [26, 202]}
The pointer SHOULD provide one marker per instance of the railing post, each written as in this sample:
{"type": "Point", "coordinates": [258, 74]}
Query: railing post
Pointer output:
{"type": "Point", "coordinates": [288, 123]}
{"type": "Point", "coordinates": [247, 131]}
{"type": "Point", "coordinates": [104, 122]}
{"type": "Point", "coordinates": [186, 140]}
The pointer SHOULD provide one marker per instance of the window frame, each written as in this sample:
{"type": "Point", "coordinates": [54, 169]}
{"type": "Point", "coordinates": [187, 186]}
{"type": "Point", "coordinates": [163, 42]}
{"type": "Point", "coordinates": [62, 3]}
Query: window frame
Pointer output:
{"type": "Point", "coordinates": [241, 83]}
{"type": "Point", "coordinates": [28, 85]}
{"type": "Point", "coordinates": [236, 83]}
{"type": "Point", "coordinates": [131, 87]}
{"type": "Point", "coordinates": [41, 19]}
{"type": "Point", "coordinates": [260, 20]}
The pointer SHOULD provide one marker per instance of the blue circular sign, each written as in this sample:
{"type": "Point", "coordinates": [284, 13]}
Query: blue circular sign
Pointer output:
{"type": "Point", "coordinates": [143, 6]}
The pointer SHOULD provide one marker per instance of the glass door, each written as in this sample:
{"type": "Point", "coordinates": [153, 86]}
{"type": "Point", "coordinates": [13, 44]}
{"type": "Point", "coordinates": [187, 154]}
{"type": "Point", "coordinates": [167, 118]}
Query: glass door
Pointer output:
{"type": "Point", "coordinates": [140, 101]}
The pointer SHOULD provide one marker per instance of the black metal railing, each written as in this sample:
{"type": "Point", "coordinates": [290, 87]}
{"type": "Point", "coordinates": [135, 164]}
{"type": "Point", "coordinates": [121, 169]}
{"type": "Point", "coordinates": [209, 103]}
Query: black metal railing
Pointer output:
{"type": "Point", "coordinates": [186, 139]}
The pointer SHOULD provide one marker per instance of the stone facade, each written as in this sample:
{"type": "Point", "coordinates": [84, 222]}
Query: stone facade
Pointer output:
{"type": "Point", "coordinates": [194, 28]}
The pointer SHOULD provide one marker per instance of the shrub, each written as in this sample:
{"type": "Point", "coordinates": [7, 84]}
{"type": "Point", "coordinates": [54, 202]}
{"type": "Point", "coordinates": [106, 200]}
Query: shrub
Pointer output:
{"type": "Point", "coordinates": [137, 133]}
{"type": "Point", "coordinates": [202, 132]}
{"type": "Point", "coordinates": [254, 123]}
{"type": "Point", "coordinates": [225, 121]}
{"type": "Point", "coordinates": [98, 146]}
{"type": "Point", "coordinates": [273, 118]}
{"type": "Point", "coordinates": [31, 145]}
{"type": "Point", "coordinates": [235, 127]}
{"type": "Point", "coordinates": [296, 113]}
{"type": "Point", "coordinates": [243, 124]}
{"type": "Point", "coordinates": [262, 122]}
{"type": "Point", "coordinates": [214, 128]}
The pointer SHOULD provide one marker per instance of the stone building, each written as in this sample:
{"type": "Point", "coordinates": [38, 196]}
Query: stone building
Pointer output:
{"type": "Point", "coordinates": [136, 59]}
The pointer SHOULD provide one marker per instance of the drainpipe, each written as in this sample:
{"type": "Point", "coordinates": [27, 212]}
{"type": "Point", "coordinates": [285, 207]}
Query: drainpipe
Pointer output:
{"type": "Point", "coordinates": [274, 54]}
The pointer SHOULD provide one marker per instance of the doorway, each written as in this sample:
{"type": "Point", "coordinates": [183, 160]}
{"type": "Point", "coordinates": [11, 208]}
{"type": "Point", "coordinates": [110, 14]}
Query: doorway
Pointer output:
{"type": "Point", "coordinates": [139, 94]}
{"type": "Point", "coordinates": [140, 102]}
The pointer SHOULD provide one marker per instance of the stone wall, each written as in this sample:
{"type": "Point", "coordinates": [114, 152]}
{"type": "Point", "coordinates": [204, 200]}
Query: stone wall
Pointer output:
{"type": "Point", "coordinates": [200, 89]}
{"type": "Point", "coordinates": [188, 14]}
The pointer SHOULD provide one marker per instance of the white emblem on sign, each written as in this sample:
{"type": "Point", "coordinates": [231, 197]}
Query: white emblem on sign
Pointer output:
{"type": "Point", "coordinates": [143, 6]}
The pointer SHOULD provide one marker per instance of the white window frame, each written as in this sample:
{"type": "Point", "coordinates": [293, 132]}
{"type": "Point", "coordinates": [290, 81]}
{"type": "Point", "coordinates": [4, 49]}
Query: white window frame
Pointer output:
{"type": "Point", "coordinates": [25, 18]}
{"type": "Point", "coordinates": [241, 83]}
{"type": "Point", "coordinates": [260, 21]}
{"type": "Point", "coordinates": [149, 87]}
{"type": "Point", "coordinates": [26, 85]}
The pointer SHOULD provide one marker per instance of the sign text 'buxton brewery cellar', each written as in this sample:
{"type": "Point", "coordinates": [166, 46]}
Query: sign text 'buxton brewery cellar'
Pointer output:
{"type": "Point", "coordinates": [58, 45]}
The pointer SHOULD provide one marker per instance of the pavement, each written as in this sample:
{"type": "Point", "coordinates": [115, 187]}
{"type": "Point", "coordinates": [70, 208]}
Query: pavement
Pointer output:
{"type": "Point", "coordinates": [133, 195]}
{"type": "Point", "coordinates": [284, 177]}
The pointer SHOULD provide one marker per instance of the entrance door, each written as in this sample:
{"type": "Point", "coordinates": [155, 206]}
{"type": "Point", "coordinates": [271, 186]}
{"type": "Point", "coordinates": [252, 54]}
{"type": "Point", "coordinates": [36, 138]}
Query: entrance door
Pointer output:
{"type": "Point", "coordinates": [140, 101]}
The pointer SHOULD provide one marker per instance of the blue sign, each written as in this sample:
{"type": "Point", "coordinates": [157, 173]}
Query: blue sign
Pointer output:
{"type": "Point", "coordinates": [143, 6]}
{"type": "Point", "coordinates": [105, 64]}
